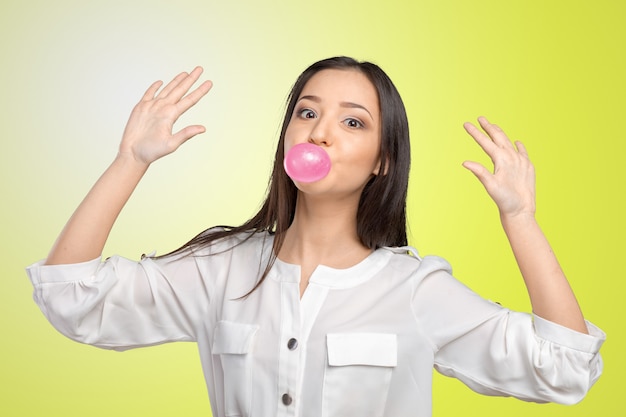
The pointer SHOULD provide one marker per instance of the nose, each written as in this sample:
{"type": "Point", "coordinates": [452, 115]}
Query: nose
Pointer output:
{"type": "Point", "coordinates": [321, 134]}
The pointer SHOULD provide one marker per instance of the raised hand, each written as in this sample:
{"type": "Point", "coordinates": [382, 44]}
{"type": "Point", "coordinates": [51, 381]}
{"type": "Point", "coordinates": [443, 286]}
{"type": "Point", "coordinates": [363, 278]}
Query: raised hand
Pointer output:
{"type": "Point", "coordinates": [148, 134]}
{"type": "Point", "coordinates": [512, 187]}
{"type": "Point", "coordinates": [147, 137]}
{"type": "Point", "coordinates": [512, 183]}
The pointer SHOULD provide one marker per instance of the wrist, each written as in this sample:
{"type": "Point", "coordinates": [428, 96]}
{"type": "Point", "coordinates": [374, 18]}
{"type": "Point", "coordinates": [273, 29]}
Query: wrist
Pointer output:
{"type": "Point", "coordinates": [128, 161]}
{"type": "Point", "coordinates": [518, 220]}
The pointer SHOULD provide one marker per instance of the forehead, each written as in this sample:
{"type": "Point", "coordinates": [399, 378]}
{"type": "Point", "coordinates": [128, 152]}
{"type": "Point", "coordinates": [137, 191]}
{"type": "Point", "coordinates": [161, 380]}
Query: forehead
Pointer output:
{"type": "Point", "coordinates": [342, 86]}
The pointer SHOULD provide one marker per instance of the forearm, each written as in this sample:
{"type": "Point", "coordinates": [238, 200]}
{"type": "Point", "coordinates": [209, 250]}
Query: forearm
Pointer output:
{"type": "Point", "coordinates": [86, 232]}
{"type": "Point", "coordinates": [148, 136]}
{"type": "Point", "coordinates": [550, 294]}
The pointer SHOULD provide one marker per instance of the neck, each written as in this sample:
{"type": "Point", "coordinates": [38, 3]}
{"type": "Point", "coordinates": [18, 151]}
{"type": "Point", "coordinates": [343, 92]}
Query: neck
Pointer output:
{"type": "Point", "coordinates": [323, 232]}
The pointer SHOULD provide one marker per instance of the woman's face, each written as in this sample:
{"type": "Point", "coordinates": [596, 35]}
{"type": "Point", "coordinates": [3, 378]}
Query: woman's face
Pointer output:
{"type": "Point", "coordinates": [338, 110]}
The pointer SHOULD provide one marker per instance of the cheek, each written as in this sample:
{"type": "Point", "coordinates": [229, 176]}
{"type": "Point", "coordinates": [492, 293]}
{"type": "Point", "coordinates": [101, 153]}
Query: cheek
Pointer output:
{"type": "Point", "coordinates": [368, 155]}
{"type": "Point", "coordinates": [288, 142]}
{"type": "Point", "coordinates": [291, 136]}
{"type": "Point", "coordinates": [373, 160]}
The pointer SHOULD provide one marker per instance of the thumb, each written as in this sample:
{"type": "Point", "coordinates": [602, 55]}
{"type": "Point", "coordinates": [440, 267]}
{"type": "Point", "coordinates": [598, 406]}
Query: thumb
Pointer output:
{"type": "Point", "coordinates": [187, 133]}
{"type": "Point", "coordinates": [482, 173]}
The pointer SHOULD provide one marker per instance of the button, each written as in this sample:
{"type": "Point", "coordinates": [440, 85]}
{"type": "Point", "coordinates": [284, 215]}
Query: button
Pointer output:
{"type": "Point", "coordinates": [292, 344]}
{"type": "Point", "coordinates": [287, 400]}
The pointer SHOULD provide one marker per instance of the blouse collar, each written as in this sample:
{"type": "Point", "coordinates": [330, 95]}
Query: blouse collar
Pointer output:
{"type": "Point", "coordinates": [332, 277]}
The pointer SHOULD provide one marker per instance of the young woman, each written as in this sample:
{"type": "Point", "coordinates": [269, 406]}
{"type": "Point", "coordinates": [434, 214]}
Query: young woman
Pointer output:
{"type": "Point", "coordinates": [316, 306]}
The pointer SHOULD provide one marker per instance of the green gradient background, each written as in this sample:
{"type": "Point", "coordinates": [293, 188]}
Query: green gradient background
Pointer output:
{"type": "Point", "coordinates": [551, 73]}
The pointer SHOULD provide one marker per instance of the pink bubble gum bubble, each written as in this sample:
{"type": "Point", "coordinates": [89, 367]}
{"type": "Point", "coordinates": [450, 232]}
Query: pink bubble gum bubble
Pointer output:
{"type": "Point", "coordinates": [306, 162]}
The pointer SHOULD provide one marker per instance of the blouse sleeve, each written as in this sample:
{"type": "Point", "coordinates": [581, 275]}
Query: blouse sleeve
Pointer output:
{"type": "Point", "coordinates": [121, 304]}
{"type": "Point", "coordinates": [496, 351]}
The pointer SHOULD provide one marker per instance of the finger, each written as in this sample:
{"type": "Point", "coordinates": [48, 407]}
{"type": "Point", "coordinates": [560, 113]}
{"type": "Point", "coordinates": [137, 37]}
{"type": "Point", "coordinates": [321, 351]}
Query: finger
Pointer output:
{"type": "Point", "coordinates": [494, 131]}
{"type": "Point", "coordinates": [521, 149]}
{"type": "Point", "coordinates": [483, 140]}
{"type": "Point", "coordinates": [192, 98]}
{"type": "Point", "coordinates": [185, 84]}
{"type": "Point", "coordinates": [151, 91]}
{"type": "Point", "coordinates": [172, 84]}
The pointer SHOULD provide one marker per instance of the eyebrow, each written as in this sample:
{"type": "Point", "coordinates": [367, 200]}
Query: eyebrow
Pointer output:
{"type": "Point", "coordinates": [346, 104]}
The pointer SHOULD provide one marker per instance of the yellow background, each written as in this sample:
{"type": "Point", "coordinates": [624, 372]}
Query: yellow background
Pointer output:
{"type": "Point", "coordinates": [550, 72]}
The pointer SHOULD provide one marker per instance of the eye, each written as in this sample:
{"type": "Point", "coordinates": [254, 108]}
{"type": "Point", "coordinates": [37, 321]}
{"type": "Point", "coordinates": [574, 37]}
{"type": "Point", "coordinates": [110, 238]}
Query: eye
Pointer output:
{"type": "Point", "coordinates": [306, 114]}
{"type": "Point", "coordinates": [353, 123]}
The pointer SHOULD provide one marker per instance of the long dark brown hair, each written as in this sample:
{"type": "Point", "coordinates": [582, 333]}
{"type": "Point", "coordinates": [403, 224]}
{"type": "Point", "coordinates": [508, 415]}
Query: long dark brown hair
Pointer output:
{"type": "Point", "coordinates": [381, 214]}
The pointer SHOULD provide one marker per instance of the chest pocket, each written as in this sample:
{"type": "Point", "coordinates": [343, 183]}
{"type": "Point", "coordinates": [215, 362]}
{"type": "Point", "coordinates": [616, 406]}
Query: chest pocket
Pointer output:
{"type": "Point", "coordinates": [234, 343]}
{"type": "Point", "coordinates": [358, 373]}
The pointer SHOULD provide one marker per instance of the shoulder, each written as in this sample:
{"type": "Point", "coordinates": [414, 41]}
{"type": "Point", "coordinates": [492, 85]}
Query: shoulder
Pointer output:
{"type": "Point", "coordinates": [222, 240]}
{"type": "Point", "coordinates": [408, 260]}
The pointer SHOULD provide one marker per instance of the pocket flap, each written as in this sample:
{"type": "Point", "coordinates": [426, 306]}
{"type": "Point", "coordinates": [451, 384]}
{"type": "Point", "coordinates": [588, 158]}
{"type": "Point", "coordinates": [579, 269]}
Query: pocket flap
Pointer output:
{"type": "Point", "coordinates": [233, 338]}
{"type": "Point", "coordinates": [374, 349]}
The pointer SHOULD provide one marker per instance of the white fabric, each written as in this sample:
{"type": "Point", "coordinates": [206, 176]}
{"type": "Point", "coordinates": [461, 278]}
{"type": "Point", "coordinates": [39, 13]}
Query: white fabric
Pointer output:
{"type": "Point", "coordinates": [367, 337]}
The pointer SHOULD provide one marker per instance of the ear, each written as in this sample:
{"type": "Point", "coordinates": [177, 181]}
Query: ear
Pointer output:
{"type": "Point", "coordinates": [377, 167]}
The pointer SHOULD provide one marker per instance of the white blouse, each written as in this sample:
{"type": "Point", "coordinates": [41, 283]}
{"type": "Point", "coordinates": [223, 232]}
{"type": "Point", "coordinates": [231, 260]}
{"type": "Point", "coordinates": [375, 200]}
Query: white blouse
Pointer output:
{"type": "Point", "coordinates": [361, 341]}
